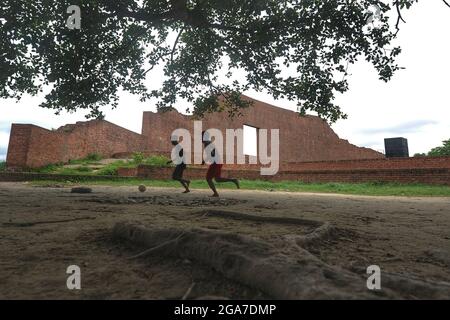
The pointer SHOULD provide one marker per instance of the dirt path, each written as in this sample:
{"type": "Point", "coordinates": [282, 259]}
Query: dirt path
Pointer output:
{"type": "Point", "coordinates": [44, 230]}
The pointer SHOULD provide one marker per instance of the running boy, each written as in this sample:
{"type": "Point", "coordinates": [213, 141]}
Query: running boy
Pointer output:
{"type": "Point", "coordinates": [215, 169]}
{"type": "Point", "coordinates": [179, 168]}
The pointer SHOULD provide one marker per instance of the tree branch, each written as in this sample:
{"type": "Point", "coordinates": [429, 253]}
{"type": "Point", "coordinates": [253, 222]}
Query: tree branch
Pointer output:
{"type": "Point", "coordinates": [399, 17]}
{"type": "Point", "coordinates": [175, 44]}
{"type": "Point", "coordinates": [145, 16]}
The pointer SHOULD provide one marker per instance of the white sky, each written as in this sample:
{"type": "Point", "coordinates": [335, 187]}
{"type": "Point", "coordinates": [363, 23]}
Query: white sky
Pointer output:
{"type": "Point", "coordinates": [250, 143]}
{"type": "Point", "coordinates": [414, 104]}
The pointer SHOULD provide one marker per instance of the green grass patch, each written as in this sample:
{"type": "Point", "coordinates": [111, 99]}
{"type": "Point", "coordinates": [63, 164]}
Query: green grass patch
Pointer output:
{"type": "Point", "coordinates": [2, 166]}
{"type": "Point", "coordinates": [368, 189]}
{"type": "Point", "coordinates": [104, 169]}
{"type": "Point", "coordinates": [92, 158]}
{"type": "Point", "coordinates": [51, 168]}
{"type": "Point", "coordinates": [111, 169]}
{"type": "Point", "coordinates": [75, 171]}
{"type": "Point", "coordinates": [60, 169]}
{"type": "Point", "coordinates": [157, 161]}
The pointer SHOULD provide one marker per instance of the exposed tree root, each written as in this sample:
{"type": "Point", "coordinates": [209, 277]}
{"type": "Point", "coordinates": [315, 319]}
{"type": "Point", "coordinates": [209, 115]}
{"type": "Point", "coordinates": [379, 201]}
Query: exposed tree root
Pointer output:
{"type": "Point", "coordinates": [158, 247]}
{"type": "Point", "coordinates": [260, 265]}
{"type": "Point", "coordinates": [257, 218]}
{"type": "Point", "coordinates": [415, 288]}
{"type": "Point", "coordinates": [324, 232]}
{"type": "Point", "coordinates": [165, 201]}
{"type": "Point", "coordinates": [439, 256]}
{"type": "Point", "coordinates": [30, 224]}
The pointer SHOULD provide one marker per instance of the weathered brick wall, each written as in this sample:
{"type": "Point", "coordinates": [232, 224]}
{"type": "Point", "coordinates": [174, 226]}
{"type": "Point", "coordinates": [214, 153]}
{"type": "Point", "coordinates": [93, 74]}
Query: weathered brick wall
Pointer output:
{"type": "Point", "coordinates": [424, 176]}
{"type": "Point", "coordinates": [302, 139]}
{"type": "Point", "coordinates": [438, 176]}
{"type": "Point", "coordinates": [127, 172]}
{"type": "Point", "coordinates": [401, 170]}
{"type": "Point", "coordinates": [45, 147]}
{"type": "Point", "coordinates": [19, 141]}
{"type": "Point", "coordinates": [385, 163]}
{"type": "Point", "coordinates": [32, 146]}
{"type": "Point", "coordinates": [101, 137]}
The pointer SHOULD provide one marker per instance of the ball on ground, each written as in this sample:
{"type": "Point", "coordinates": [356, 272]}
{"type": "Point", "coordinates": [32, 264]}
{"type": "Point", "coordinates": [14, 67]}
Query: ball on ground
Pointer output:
{"type": "Point", "coordinates": [142, 188]}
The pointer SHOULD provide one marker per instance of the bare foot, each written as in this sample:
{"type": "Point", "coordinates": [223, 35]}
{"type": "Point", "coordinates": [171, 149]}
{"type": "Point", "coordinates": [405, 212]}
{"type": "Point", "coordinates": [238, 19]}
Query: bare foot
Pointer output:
{"type": "Point", "coordinates": [215, 195]}
{"type": "Point", "coordinates": [186, 191]}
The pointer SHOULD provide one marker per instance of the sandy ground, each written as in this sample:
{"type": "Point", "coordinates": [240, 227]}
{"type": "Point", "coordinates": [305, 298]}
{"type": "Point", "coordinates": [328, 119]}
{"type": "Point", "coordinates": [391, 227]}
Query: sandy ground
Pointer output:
{"type": "Point", "coordinates": [43, 230]}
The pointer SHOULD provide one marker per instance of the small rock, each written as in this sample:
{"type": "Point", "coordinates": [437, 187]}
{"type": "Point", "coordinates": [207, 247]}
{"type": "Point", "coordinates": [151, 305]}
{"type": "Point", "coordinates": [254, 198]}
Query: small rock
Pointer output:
{"type": "Point", "coordinates": [187, 261]}
{"type": "Point", "coordinates": [81, 190]}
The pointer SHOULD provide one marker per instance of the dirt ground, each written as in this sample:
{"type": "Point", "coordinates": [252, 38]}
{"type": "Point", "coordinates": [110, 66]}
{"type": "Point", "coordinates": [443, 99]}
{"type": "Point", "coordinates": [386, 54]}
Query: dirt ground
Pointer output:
{"type": "Point", "coordinates": [43, 230]}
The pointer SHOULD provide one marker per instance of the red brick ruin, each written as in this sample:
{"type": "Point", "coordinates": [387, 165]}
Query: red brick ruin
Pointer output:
{"type": "Point", "coordinates": [309, 148]}
{"type": "Point", "coordinates": [302, 139]}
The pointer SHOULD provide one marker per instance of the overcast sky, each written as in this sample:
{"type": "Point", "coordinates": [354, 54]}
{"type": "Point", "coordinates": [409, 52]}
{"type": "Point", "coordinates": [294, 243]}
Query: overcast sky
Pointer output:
{"type": "Point", "coordinates": [414, 104]}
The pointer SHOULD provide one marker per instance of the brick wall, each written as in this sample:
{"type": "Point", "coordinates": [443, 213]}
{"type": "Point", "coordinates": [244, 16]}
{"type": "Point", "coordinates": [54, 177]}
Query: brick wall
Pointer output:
{"type": "Point", "coordinates": [32, 146]}
{"type": "Point", "coordinates": [127, 172]}
{"type": "Point", "coordinates": [302, 139]}
{"type": "Point", "coordinates": [424, 176]}
{"type": "Point", "coordinates": [19, 141]}
{"type": "Point", "coordinates": [401, 170]}
{"type": "Point", "coordinates": [439, 176]}
{"type": "Point", "coordinates": [385, 163]}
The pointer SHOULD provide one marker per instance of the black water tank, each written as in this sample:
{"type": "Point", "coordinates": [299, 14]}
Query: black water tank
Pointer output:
{"type": "Point", "coordinates": [396, 147]}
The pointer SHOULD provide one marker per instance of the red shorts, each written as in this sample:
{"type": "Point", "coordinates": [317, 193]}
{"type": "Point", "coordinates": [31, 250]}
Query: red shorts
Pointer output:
{"type": "Point", "coordinates": [214, 171]}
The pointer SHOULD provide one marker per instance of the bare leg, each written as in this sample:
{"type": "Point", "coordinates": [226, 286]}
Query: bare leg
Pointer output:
{"type": "Point", "coordinates": [235, 181]}
{"type": "Point", "coordinates": [185, 184]}
{"type": "Point", "coordinates": [213, 187]}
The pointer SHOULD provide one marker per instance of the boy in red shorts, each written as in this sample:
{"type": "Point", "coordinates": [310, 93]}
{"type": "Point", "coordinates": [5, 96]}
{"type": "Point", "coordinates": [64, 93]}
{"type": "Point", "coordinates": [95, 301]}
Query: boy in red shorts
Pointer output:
{"type": "Point", "coordinates": [215, 170]}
